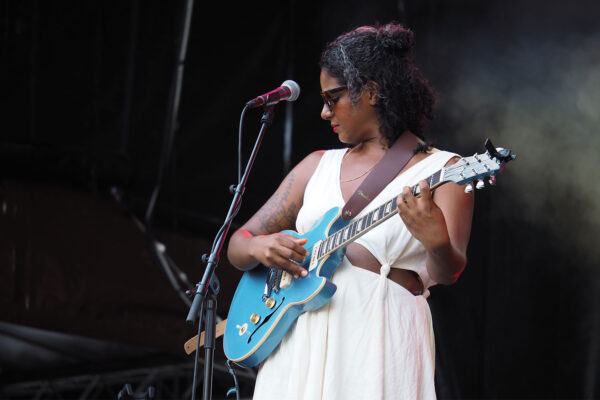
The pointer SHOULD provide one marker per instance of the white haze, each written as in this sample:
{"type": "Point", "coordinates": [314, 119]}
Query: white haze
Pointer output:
{"type": "Point", "coordinates": [542, 100]}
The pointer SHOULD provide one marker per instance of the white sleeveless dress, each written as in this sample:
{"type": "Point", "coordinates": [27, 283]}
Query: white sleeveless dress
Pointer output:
{"type": "Point", "coordinates": [374, 339]}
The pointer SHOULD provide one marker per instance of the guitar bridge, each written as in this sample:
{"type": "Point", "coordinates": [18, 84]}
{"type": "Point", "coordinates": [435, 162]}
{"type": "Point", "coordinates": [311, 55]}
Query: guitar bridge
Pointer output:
{"type": "Point", "coordinates": [278, 279]}
{"type": "Point", "coordinates": [271, 278]}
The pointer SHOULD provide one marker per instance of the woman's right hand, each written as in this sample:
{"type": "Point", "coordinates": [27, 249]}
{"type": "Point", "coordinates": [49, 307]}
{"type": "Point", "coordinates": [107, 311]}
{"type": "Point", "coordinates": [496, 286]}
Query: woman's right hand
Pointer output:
{"type": "Point", "coordinates": [280, 251]}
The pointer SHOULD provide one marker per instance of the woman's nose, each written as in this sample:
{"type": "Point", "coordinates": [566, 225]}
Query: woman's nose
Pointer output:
{"type": "Point", "coordinates": [326, 112]}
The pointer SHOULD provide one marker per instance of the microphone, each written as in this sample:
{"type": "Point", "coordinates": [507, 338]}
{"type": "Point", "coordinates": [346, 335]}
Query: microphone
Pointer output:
{"type": "Point", "coordinates": [289, 90]}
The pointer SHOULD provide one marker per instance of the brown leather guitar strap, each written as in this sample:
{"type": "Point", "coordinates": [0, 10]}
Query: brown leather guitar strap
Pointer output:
{"type": "Point", "coordinates": [386, 169]}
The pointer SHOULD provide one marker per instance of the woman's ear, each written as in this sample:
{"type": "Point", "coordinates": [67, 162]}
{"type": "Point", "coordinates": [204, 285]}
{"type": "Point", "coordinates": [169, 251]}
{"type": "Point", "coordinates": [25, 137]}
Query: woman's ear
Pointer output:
{"type": "Point", "coordinates": [373, 89]}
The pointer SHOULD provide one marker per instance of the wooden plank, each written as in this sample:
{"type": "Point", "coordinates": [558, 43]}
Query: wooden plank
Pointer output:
{"type": "Point", "coordinates": [190, 345]}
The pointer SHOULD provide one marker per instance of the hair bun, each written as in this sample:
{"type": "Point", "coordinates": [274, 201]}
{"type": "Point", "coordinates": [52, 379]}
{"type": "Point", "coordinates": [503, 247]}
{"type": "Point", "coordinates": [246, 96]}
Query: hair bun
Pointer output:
{"type": "Point", "coordinates": [395, 37]}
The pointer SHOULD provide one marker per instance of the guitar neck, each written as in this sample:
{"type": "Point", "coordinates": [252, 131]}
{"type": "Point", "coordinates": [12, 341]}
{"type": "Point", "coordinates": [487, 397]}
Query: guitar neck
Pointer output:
{"type": "Point", "coordinates": [357, 228]}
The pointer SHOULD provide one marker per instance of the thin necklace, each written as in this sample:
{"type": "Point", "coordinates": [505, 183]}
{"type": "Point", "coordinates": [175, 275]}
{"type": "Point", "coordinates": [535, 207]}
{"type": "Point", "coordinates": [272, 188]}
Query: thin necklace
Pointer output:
{"type": "Point", "coordinates": [361, 175]}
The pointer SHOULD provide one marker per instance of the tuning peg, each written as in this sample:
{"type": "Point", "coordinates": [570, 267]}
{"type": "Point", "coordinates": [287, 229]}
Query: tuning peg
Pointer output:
{"type": "Point", "coordinates": [492, 180]}
{"type": "Point", "coordinates": [468, 188]}
{"type": "Point", "coordinates": [480, 184]}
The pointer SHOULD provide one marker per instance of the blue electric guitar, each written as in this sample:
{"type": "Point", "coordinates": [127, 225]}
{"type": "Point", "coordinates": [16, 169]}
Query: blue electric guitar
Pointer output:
{"type": "Point", "coordinates": [267, 301]}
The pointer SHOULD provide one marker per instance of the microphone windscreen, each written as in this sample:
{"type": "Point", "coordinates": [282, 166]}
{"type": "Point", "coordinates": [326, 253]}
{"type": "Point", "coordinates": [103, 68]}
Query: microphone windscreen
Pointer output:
{"type": "Point", "coordinates": [294, 88]}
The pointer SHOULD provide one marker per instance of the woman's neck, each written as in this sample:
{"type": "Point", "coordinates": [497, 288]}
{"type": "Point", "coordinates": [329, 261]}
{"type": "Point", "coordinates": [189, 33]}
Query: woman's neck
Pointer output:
{"type": "Point", "coordinates": [373, 145]}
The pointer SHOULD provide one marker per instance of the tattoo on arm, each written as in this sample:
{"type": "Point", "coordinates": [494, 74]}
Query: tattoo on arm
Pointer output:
{"type": "Point", "coordinates": [279, 213]}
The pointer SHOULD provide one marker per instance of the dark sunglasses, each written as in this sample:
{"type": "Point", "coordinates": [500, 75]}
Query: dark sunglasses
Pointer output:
{"type": "Point", "coordinates": [326, 95]}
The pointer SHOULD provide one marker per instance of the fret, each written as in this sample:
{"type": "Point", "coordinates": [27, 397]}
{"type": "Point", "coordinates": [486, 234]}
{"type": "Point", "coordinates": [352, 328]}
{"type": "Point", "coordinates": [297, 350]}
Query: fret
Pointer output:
{"type": "Point", "coordinates": [321, 248]}
{"type": "Point", "coordinates": [359, 224]}
{"type": "Point", "coordinates": [363, 223]}
{"type": "Point", "coordinates": [331, 243]}
{"type": "Point", "coordinates": [328, 244]}
{"type": "Point", "coordinates": [368, 219]}
{"type": "Point", "coordinates": [346, 234]}
{"type": "Point", "coordinates": [352, 229]}
{"type": "Point", "coordinates": [432, 180]}
{"type": "Point", "coordinates": [338, 238]}
{"type": "Point", "coordinates": [375, 216]}
{"type": "Point", "coordinates": [435, 178]}
{"type": "Point", "coordinates": [416, 190]}
{"type": "Point", "coordinates": [388, 208]}
{"type": "Point", "coordinates": [381, 211]}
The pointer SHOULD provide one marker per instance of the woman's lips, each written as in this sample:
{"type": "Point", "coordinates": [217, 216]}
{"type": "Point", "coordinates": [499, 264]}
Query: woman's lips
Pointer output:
{"type": "Point", "coordinates": [335, 128]}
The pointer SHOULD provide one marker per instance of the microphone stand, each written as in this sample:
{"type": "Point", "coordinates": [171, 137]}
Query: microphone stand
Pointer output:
{"type": "Point", "coordinates": [208, 288]}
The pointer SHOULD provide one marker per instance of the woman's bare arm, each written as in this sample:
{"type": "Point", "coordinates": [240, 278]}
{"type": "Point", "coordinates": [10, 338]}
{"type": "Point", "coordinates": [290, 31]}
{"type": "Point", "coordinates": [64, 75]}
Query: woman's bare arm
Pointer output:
{"type": "Point", "coordinates": [442, 224]}
{"type": "Point", "coordinates": [259, 240]}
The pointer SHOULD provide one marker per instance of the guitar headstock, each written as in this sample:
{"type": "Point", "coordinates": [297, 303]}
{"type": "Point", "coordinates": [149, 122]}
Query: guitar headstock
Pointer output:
{"type": "Point", "coordinates": [479, 167]}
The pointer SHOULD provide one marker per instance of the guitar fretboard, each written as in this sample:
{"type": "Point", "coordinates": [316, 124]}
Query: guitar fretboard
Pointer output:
{"type": "Point", "coordinates": [357, 228]}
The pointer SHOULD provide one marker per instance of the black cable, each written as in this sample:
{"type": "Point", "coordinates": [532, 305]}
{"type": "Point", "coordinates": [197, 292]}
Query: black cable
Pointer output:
{"type": "Point", "coordinates": [239, 161]}
{"type": "Point", "coordinates": [236, 387]}
{"type": "Point", "coordinates": [237, 187]}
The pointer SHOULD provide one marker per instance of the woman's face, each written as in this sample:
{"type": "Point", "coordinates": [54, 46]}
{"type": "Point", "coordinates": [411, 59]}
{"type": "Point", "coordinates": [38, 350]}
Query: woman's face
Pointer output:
{"type": "Point", "coordinates": [352, 122]}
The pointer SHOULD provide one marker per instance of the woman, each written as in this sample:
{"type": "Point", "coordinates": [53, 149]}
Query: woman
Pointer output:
{"type": "Point", "coordinates": [374, 339]}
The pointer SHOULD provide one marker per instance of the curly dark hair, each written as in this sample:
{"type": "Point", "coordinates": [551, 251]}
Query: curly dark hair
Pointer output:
{"type": "Point", "coordinates": [383, 54]}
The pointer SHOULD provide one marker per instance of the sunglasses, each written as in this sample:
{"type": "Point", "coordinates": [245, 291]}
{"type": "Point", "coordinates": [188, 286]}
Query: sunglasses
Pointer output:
{"type": "Point", "coordinates": [327, 96]}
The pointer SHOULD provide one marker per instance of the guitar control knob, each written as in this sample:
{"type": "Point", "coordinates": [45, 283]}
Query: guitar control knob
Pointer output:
{"type": "Point", "coordinates": [270, 302]}
{"type": "Point", "coordinates": [492, 180]}
{"type": "Point", "coordinates": [468, 188]}
{"type": "Point", "coordinates": [480, 184]}
{"type": "Point", "coordinates": [254, 318]}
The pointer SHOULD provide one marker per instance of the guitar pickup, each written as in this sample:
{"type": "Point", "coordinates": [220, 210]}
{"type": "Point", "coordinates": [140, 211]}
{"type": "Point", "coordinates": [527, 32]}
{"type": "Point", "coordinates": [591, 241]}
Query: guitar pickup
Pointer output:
{"type": "Point", "coordinates": [286, 280]}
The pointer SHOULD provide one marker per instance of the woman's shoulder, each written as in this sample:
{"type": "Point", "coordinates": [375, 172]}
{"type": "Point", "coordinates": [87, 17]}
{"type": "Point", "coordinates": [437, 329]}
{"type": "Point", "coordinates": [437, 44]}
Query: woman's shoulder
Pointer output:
{"type": "Point", "coordinates": [447, 157]}
{"type": "Point", "coordinates": [312, 160]}
{"type": "Point", "coordinates": [309, 164]}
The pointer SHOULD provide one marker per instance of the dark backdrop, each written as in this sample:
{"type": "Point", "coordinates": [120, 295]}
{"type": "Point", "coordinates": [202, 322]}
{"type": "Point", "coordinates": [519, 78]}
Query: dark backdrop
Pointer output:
{"type": "Point", "coordinates": [86, 90]}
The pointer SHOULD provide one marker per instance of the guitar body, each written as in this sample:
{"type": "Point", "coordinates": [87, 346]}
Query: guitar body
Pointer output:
{"type": "Point", "coordinates": [255, 324]}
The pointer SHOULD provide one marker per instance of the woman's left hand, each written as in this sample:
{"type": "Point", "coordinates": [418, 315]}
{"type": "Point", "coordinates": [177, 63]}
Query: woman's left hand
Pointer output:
{"type": "Point", "coordinates": [442, 226]}
{"type": "Point", "coordinates": [422, 217]}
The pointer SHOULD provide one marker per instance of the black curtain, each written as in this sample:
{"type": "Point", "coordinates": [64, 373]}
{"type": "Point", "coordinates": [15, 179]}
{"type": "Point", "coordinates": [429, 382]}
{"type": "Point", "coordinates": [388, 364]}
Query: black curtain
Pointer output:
{"type": "Point", "coordinates": [85, 88]}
